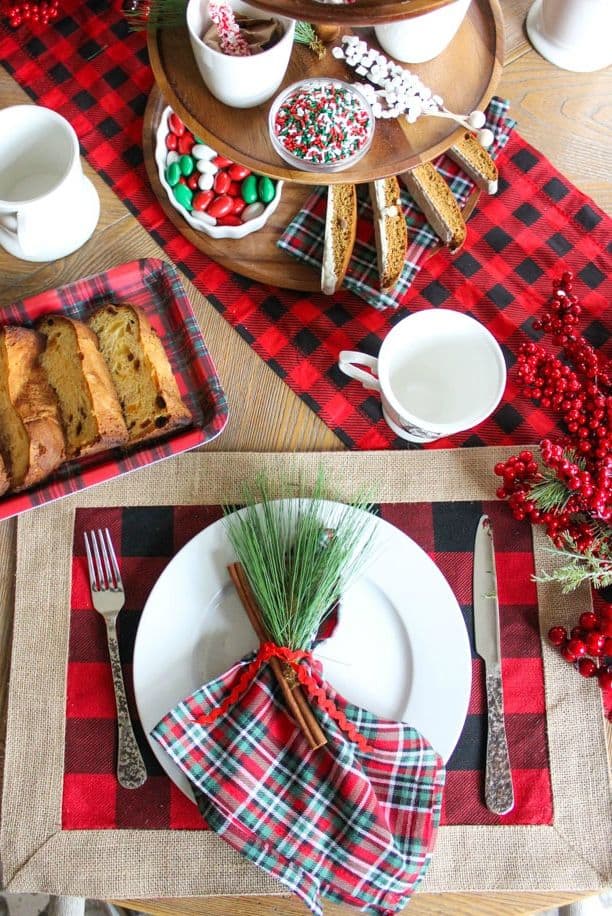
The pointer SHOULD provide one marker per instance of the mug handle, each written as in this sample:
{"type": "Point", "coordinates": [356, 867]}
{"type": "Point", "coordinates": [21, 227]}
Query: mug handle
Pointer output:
{"type": "Point", "coordinates": [350, 360]}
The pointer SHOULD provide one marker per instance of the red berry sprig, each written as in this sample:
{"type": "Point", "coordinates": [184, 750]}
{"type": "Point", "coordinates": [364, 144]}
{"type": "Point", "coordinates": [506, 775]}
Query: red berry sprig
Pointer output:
{"type": "Point", "coordinates": [588, 646]}
{"type": "Point", "coordinates": [571, 492]}
{"type": "Point", "coordinates": [35, 13]}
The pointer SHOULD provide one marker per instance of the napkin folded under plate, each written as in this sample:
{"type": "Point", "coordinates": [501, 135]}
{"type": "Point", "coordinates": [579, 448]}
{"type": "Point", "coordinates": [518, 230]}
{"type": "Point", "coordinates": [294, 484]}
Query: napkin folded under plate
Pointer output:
{"type": "Point", "coordinates": [303, 237]}
{"type": "Point", "coordinates": [353, 826]}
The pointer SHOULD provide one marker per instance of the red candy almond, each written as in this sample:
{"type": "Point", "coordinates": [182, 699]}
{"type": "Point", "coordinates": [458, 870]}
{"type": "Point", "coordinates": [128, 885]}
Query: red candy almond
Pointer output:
{"type": "Point", "coordinates": [186, 144]}
{"type": "Point", "coordinates": [176, 125]}
{"type": "Point", "coordinates": [202, 200]}
{"type": "Point", "coordinates": [222, 182]}
{"type": "Point", "coordinates": [221, 206]}
{"type": "Point", "coordinates": [230, 220]}
{"type": "Point", "coordinates": [238, 172]}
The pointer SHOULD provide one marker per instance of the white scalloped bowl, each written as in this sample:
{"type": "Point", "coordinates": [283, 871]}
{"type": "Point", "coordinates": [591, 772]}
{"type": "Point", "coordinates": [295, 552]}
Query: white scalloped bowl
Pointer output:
{"type": "Point", "coordinates": [215, 232]}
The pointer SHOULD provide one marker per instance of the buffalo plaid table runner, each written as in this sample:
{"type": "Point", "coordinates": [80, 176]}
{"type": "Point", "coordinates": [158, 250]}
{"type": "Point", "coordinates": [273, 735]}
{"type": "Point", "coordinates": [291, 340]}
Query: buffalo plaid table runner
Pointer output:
{"type": "Point", "coordinates": [92, 70]}
{"type": "Point", "coordinates": [148, 537]}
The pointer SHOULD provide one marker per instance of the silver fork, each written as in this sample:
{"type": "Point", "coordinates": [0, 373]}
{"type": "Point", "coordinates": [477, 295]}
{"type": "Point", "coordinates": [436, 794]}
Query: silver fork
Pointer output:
{"type": "Point", "coordinates": [108, 596]}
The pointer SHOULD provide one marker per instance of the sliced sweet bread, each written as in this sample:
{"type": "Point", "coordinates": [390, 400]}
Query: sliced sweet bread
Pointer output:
{"type": "Point", "coordinates": [89, 406]}
{"type": "Point", "coordinates": [475, 161]}
{"type": "Point", "coordinates": [339, 238]}
{"type": "Point", "coordinates": [140, 370]}
{"type": "Point", "coordinates": [437, 202]}
{"type": "Point", "coordinates": [31, 437]}
{"type": "Point", "coordinates": [390, 230]}
{"type": "Point", "coordinates": [4, 477]}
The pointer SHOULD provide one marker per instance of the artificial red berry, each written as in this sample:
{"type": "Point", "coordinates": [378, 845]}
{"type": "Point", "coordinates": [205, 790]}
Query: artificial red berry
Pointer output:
{"type": "Point", "coordinates": [557, 636]}
{"type": "Point", "coordinates": [567, 653]}
{"type": "Point", "coordinates": [595, 643]}
{"type": "Point", "coordinates": [587, 667]}
{"type": "Point", "coordinates": [588, 620]}
{"type": "Point", "coordinates": [577, 647]}
{"type": "Point", "coordinates": [605, 678]}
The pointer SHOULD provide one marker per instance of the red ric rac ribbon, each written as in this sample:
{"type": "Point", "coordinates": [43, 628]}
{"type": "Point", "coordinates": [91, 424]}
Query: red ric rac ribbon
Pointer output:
{"type": "Point", "coordinates": [291, 657]}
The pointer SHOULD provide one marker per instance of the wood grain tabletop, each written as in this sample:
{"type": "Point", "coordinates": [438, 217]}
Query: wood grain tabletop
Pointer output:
{"type": "Point", "coordinates": [568, 117]}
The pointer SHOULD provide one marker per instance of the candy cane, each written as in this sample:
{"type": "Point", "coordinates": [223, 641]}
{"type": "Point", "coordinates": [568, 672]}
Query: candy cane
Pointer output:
{"type": "Point", "coordinates": [231, 40]}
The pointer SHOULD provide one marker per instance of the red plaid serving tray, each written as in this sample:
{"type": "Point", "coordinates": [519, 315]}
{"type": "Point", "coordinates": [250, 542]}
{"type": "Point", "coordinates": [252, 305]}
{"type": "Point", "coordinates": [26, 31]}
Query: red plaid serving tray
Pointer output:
{"type": "Point", "coordinates": [155, 287]}
{"type": "Point", "coordinates": [148, 537]}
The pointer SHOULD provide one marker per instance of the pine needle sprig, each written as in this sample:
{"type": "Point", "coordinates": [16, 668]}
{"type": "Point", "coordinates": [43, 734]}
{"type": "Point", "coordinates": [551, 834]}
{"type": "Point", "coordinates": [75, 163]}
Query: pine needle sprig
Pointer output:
{"type": "Point", "coordinates": [153, 14]}
{"type": "Point", "coordinates": [592, 566]}
{"type": "Point", "coordinates": [298, 558]}
{"type": "Point", "coordinates": [305, 35]}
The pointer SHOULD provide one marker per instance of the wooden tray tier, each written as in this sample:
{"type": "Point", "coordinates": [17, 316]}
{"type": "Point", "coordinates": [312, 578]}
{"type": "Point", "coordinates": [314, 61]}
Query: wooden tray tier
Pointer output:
{"type": "Point", "coordinates": [361, 12]}
{"type": "Point", "coordinates": [257, 255]}
{"type": "Point", "coordinates": [465, 75]}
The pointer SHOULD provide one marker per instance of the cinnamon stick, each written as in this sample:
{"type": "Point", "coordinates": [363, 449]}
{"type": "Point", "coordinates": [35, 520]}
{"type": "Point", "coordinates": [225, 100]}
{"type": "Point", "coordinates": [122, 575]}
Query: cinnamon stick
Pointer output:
{"type": "Point", "coordinates": [297, 704]}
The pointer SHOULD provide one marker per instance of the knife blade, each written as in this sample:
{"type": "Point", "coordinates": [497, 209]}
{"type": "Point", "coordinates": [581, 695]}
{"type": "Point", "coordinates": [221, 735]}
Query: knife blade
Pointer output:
{"type": "Point", "coordinates": [499, 794]}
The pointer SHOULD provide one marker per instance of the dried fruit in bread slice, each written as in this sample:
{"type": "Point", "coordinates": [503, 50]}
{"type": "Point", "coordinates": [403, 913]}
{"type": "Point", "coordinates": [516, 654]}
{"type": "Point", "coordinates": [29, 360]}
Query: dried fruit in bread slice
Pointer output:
{"type": "Point", "coordinates": [437, 202]}
{"type": "Point", "coordinates": [140, 370]}
{"type": "Point", "coordinates": [31, 437]}
{"type": "Point", "coordinates": [389, 229]}
{"type": "Point", "coordinates": [89, 406]}
{"type": "Point", "coordinates": [4, 477]}
{"type": "Point", "coordinates": [475, 162]}
{"type": "Point", "coordinates": [339, 237]}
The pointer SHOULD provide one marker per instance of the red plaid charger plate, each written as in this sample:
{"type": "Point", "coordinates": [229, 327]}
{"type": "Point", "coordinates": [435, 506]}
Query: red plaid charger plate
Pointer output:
{"type": "Point", "coordinates": [155, 287]}
{"type": "Point", "coordinates": [147, 538]}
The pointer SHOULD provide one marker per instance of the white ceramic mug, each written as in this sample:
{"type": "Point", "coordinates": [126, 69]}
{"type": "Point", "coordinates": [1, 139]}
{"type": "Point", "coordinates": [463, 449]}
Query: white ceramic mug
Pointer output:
{"type": "Point", "coordinates": [572, 34]}
{"type": "Point", "coordinates": [438, 372]}
{"type": "Point", "coordinates": [240, 82]}
{"type": "Point", "coordinates": [422, 38]}
{"type": "Point", "coordinates": [48, 208]}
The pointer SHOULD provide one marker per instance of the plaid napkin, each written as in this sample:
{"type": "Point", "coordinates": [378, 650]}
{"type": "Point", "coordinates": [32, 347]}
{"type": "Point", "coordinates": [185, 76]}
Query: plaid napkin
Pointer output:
{"type": "Point", "coordinates": [355, 827]}
{"type": "Point", "coordinates": [303, 237]}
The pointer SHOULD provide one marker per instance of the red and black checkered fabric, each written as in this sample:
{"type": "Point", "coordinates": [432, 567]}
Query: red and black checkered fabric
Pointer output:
{"type": "Point", "coordinates": [148, 537]}
{"type": "Point", "coordinates": [92, 70]}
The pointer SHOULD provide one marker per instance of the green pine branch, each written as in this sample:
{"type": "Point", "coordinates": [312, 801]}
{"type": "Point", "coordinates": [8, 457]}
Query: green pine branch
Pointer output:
{"type": "Point", "coordinates": [296, 565]}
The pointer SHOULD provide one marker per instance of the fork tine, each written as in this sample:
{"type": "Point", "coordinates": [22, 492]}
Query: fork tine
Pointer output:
{"type": "Point", "coordinates": [93, 581]}
{"type": "Point", "coordinates": [98, 560]}
{"type": "Point", "coordinates": [113, 558]}
{"type": "Point", "coordinates": [105, 559]}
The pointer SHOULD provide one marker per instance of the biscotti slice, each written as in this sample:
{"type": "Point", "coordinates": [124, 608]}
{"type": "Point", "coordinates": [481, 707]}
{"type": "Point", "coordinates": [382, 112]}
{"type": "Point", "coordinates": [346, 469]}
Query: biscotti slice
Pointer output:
{"type": "Point", "coordinates": [140, 370]}
{"type": "Point", "coordinates": [89, 406]}
{"type": "Point", "coordinates": [390, 230]}
{"type": "Point", "coordinates": [475, 161]}
{"type": "Point", "coordinates": [4, 477]}
{"type": "Point", "coordinates": [437, 202]}
{"type": "Point", "coordinates": [339, 238]}
{"type": "Point", "coordinates": [31, 437]}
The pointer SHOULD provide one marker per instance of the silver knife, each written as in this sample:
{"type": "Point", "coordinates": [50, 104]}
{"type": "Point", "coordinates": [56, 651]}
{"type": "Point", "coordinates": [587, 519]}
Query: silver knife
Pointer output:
{"type": "Point", "coordinates": [499, 794]}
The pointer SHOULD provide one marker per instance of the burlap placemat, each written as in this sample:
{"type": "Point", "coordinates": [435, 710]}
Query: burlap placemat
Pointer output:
{"type": "Point", "coordinates": [573, 854]}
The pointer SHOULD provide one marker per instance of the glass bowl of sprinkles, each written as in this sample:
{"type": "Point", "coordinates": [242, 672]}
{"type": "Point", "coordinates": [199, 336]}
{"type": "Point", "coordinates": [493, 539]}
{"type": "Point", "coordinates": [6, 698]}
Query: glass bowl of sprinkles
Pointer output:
{"type": "Point", "coordinates": [321, 125]}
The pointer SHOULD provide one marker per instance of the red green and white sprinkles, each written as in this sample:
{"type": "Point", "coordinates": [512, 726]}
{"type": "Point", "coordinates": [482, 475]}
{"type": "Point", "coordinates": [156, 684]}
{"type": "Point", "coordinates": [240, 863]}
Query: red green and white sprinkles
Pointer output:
{"type": "Point", "coordinates": [323, 124]}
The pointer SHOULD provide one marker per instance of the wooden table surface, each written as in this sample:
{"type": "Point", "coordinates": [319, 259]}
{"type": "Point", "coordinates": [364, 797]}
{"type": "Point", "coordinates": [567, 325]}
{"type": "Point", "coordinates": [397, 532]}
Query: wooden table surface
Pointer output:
{"type": "Point", "coordinates": [567, 116]}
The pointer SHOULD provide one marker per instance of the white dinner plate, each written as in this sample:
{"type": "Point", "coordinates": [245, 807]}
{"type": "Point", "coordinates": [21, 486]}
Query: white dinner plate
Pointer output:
{"type": "Point", "coordinates": [400, 649]}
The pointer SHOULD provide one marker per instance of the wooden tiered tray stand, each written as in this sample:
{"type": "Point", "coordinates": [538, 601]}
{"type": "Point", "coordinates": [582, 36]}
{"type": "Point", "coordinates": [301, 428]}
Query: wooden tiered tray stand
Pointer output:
{"type": "Point", "coordinates": [465, 75]}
